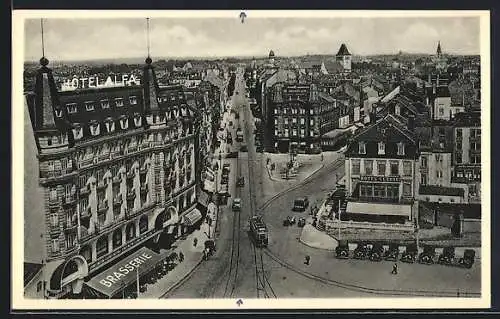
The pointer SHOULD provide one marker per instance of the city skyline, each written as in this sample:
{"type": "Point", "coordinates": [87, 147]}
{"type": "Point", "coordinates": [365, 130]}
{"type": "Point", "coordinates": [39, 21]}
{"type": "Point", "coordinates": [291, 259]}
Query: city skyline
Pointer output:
{"type": "Point", "coordinates": [85, 39]}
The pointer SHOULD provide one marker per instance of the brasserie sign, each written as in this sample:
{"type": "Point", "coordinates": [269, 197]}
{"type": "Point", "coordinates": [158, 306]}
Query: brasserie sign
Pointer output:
{"type": "Point", "coordinates": [124, 269]}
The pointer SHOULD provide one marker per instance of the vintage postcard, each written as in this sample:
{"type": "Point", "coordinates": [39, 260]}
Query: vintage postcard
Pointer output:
{"type": "Point", "coordinates": [251, 160]}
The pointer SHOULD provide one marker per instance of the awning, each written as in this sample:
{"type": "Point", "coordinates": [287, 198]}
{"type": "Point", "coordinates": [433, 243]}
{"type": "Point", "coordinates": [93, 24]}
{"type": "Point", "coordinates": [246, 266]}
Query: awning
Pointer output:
{"type": "Point", "coordinates": [378, 209]}
{"type": "Point", "coordinates": [192, 217]}
{"type": "Point", "coordinates": [203, 198]}
{"type": "Point", "coordinates": [123, 273]}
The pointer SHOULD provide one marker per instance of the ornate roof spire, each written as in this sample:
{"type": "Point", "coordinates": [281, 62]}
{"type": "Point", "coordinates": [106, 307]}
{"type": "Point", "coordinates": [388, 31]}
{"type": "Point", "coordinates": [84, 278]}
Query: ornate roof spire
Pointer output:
{"type": "Point", "coordinates": [148, 59]}
{"type": "Point", "coordinates": [43, 61]}
{"type": "Point", "coordinates": [438, 51]}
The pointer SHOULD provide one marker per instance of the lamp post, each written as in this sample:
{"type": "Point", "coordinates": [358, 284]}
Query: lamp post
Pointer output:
{"type": "Point", "coordinates": [137, 281]}
{"type": "Point", "coordinates": [339, 220]}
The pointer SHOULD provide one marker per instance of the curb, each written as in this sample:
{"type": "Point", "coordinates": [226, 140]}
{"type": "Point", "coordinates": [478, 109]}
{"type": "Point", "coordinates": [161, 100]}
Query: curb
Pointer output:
{"type": "Point", "coordinates": [182, 280]}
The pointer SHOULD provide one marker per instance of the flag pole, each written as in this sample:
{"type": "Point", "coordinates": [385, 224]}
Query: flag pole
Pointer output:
{"type": "Point", "coordinates": [137, 281]}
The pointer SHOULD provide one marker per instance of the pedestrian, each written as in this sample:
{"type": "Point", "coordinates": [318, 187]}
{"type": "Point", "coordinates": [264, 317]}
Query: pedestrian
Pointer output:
{"type": "Point", "coordinates": [195, 242]}
{"type": "Point", "coordinates": [394, 269]}
{"type": "Point", "coordinates": [307, 260]}
{"type": "Point", "coordinates": [181, 256]}
{"type": "Point", "coordinates": [204, 254]}
{"type": "Point", "coordinates": [322, 157]}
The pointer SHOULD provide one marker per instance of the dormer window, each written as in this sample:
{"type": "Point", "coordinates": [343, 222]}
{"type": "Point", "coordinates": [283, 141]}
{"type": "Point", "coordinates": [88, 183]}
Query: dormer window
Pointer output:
{"type": "Point", "coordinates": [95, 129]}
{"type": "Point", "coordinates": [77, 132]}
{"type": "Point", "coordinates": [110, 126]}
{"type": "Point", "coordinates": [133, 100]}
{"type": "Point", "coordinates": [124, 123]}
{"type": "Point", "coordinates": [58, 112]}
{"type": "Point", "coordinates": [89, 106]}
{"type": "Point", "coordinates": [381, 148]}
{"type": "Point", "coordinates": [137, 120]}
{"type": "Point", "coordinates": [119, 102]}
{"type": "Point", "coordinates": [71, 108]}
{"type": "Point", "coordinates": [362, 148]}
{"type": "Point", "coordinates": [105, 104]}
{"type": "Point", "coordinates": [401, 148]}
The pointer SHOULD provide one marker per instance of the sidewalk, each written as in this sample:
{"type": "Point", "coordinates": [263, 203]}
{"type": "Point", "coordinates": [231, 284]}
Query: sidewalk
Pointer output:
{"type": "Point", "coordinates": [192, 258]}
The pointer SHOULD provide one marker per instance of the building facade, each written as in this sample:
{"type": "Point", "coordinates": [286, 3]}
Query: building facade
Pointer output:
{"type": "Point", "coordinates": [116, 169]}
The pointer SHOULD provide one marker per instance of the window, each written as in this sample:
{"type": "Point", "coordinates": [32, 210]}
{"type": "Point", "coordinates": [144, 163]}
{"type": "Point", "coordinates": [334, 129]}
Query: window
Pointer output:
{"type": "Point", "coordinates": [458, 157]}
{"type": "Point", "coordinates": [275, 111]}
{"type": "Point", "coordinates": [459, 133]}
{"type": "Point", "coordinates": [53, 194]}
{"type": "Point", "coordinates": [94, 129]}
{"type": "Point", "coordinates": [362, 148]}
{"type": "Point", "coordinates": [132, 100]}
{"type": "Point", "coordinates": [472, 190]}
{"type": "Point", "coordinates": [441, 111]}
{"type": "Point", "coordinates": [55, 245]}
{"type": "Point", "coordinates": [102, 246]}
{"type": "Point", "coordinates": [439, 158]}
{"type": "Point", "coordinates": [311, 122]}
{"type": "Point", "coordinates": [475, 133]}
{"type": "Point", "coordinates": [458, 145]}
{"type": "Point", "coordinates": [294, 132]}
{"type": "Point", "coordinates": [117, 238]}
{"type": "Point", "coordinates": [406, 189]}
{"type": "Point", "coordinates": [311, 133]}
{"type": "Point", "coordinates": [275, 132]}
{"type": "Point", "coordinates": [401, 148]}
{"type": "Point", "coordinates": [394, 168]}
{"type": "Point", "coordinates": [369, 167]}
{"type": "Point", "coordinates": [407, 168]}
{"type": "Point", "coordinates": [476, 159]}
{"type": "Point", "coordinates": [302, 132]}
{"type": "Point", "coordinates": [379, 190]}
{"type": "Point", "coordinates": [105, 104]}
{"type": "Point", "coordinates": [71, 108]}
{"type": "Point", "coordinates": [381, 148]}
{"type": "Point", "coordinates": [286, 121]}
{"type": "Point", "coordinates": [355, 167]}
{"type": "Point", "coordinates": [286, 132]}
{"type": "Point", "coordinates": [423, 162]}
{"type": "Point", "coordinates": [475, 146]}
{"type": "Point", "coordinates": [302, 121]}
{"type": "Point", "coordinates": [54, 219]}
{"type": "Point", "coordinates": [89, 106]}
{"type": "Point", "coordinates": [119, 102]}
{"type": "Point", "coordinates": [366, 190]}
{"type": "Point", "coordinates": [392, 191]}
{"type": "Point", "coordinates": [124, 124]}
{"type": "Point", "coordinates": [294, 120]}
{"type": "Point", "coordinates": [423, 179]}
{"type": "Point", "coordinates": [143, 224]}
{"type": "Point", "coordinates": [311, 111]}
{"type": "Point", "coordinates": [381, 168]}
{"type": "Point", "coordinates": [439, 173]}
{"type": "Point", "coordinates": [275, 121]}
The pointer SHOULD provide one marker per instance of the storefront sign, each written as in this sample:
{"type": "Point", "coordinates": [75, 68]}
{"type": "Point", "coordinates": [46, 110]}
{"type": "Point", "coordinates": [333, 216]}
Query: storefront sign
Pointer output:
{"type": "Point", "coordinates": [393, 179]}
{"type": "Point", "coordinates": [123, 270]}
{"type": "Point", "coordinates": [96, 82]}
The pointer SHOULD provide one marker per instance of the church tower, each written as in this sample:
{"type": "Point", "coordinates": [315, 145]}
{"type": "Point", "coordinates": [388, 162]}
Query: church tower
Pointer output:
{"type": "Point", "coordinates": [344, 58]}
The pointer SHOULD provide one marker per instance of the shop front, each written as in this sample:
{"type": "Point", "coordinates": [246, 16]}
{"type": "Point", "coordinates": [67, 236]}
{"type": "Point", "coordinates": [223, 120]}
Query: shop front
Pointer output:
{"type": "Point", "coordinates": [125, 278]}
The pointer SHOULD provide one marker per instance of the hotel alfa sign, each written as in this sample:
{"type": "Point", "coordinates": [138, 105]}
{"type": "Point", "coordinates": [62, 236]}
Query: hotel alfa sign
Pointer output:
{"type": "Point", "coordinates": [393, 179]}
{"type": "Point", "coordinates": [93, 82]}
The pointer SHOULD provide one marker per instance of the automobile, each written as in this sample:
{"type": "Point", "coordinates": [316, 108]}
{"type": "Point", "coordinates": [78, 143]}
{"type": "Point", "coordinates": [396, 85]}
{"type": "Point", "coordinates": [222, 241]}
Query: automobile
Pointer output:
{"type": "Point", "coordinates": [236, 204]}
{"type": "Point", "coordinates": [342, 250]}
{"type": "Point", "coordinates": [447, 256]}
{"type": "Point", "coordinates": [392, 254]}
{"type": "Point", "coordinates": [427, 256]}
{"type": "Point", "coordinates": [301, 222]}
{"type": "Point", "coordinates": [410, 253]}
{"type": "Point", "coordinates": [290, 220]}
{"type": "Point", "coordinates": [377, 252]}
{"type": "Point", "coordinates": [468, 259]}
{"type": "Point", "coordinates": [300, 204]}
{"type": "Point", "coordinates": [361, 251]}
{"type": "Point", "coordinates": [241, 181]}
{"type": "Point", "coordinates": [243, 148]}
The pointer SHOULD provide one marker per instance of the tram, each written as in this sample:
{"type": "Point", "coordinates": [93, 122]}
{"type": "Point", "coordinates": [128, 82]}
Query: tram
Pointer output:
{"type": "Point", "coordinates": [258, 231]}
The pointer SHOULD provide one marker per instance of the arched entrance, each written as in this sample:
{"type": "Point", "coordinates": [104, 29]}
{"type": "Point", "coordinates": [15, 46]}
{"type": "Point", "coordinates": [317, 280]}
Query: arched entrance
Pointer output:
{"type": "Point", "coordinates": [68, 277]}
{"type": "Point", "coordinates": [165, 222]}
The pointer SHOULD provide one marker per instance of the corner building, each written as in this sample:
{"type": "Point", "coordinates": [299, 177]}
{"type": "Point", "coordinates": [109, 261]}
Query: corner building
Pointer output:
{"type": "Point", "coordinates": [117, 169]}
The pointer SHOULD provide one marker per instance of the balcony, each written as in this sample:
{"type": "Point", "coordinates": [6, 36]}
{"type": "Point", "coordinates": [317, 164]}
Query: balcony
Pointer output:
{"type": "Point", "coordinates": [131, 194]}
{"type": "Point", "coordinates": [86, 162]}
{"type": "Point", "coordinates": [69, 199]}
{"type": "Point", "coordinates": [143, 146]}
{"type": "Point", "coordinates": [117, 179]}
{"type": "Point", "coordinates": [102, 184]}
{"type": "Point", "coordinates": [85, 190]}
{"type": "Point", "coordinates": [102, 206]}
{"type": "Point", "coordinates": [143, 170]}
{"type": "Point", "coordinates": [117, 200]}
{"type": "Point", "coordinates": [71, 226]}
{"type": "Point", "coordinates": [86, 213]}
{"type": "Point", "coordinates": [387, 200]}
{"type": "Point", "coordinates": [54, 202]}
{"type": "Point", "coordinates": [132, 149]}
{"type": "Point", "coordinates": [103, 157]}
{"type": "Point", "coordinates": [131, 174]}
{"type": "Point", "coordinates": [116, 153]}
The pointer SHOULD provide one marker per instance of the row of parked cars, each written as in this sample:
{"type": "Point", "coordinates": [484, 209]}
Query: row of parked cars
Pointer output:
{"type": "Point", "coordinates": [377, 252]}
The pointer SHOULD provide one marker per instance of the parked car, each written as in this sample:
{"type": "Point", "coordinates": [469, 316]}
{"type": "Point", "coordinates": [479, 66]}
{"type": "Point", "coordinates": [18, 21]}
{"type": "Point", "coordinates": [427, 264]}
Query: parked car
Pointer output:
{"type": "Point", "coordinates": [241, 181]}
{"type": "Point", "coordinates": [361, 251]}
{"type": "Point", "coordinates": [377, 252]}
{"type": "Point", "coordinates": [290, 220]}
{"type": "Point", "coordinates": [468, 259]}
{"type": "Point", "coordinates": [301, 222]}
{"type": "Point", "coordinates": [392, 254]}
{"type": "Point", "coordinates": [427, 256]}
{"type": "Point", "coordinates": [342, 250]}
{"type": "Point", "coordinates": [448, 255]}
{"type": "Point", "coordinates": [300, 204]}
{"type": "Point", "coordinates": [236, 204]}
{"type": "Point", "coordinates": [410, 254]}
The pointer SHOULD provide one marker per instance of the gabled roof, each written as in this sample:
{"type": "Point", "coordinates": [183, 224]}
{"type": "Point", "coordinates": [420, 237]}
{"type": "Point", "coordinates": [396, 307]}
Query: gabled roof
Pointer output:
{"type": "Point", "coordinates": [333, 67]}
{"type": "Point", "coordinates": [326, 97]}
{"type": "Point", "coordinates": [343, 50]}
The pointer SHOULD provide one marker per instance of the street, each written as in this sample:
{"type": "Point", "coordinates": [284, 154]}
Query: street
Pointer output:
{"type": "Point", "coordinates": [239, 270]}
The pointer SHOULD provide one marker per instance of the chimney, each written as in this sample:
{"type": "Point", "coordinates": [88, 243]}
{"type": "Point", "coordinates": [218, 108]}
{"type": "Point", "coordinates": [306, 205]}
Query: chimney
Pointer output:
{"type": "Point", "coordinates": [411, 123]}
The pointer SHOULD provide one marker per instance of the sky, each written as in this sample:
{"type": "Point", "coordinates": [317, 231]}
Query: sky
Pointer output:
{"type": "Point", "coordinates": [83, 38]}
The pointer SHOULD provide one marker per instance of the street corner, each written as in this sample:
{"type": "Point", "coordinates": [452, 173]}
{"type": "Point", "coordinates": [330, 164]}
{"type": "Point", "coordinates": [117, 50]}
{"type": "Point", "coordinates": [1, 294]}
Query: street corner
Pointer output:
{"type": "Point", "coordinates": [314, 238]}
